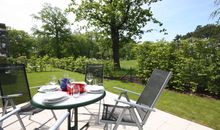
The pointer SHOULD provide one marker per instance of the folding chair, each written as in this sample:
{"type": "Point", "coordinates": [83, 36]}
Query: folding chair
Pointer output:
{"type": "Point", "coordinates": [14, 89]}
{"type": "Point", "coordinates": [97, 71]}
{"type": "Point", "coordinates": [13, 112]}
{"type": "Point", "coordinates": [136, 114]}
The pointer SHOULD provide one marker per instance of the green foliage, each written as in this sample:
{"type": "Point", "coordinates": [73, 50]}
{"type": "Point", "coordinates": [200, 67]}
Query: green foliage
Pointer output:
{"type": "Point", "coordinates": [55, 27]}
{"type": "Point", "coordinates": [209, 31]}
{"type": "Point", "coordinates": [45, 63]}
{"type": "Point", "coordinates": [194, 63]}
{"type": "Point", "coordinates": [21, 43]}
{"type": "Point", "coordinates": [116, 19]}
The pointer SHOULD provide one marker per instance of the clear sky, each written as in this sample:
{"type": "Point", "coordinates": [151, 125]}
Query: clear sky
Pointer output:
{"type": "Point", "coordinates": [177, 16]}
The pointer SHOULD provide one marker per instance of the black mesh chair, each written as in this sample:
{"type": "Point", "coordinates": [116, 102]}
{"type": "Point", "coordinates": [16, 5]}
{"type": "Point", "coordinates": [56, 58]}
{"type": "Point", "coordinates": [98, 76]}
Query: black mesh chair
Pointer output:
{"type": "Point", "coordinates": [14, 90]}
{"type": "Point", "coordinates": [97, 71]}
{"type": "Point", "coordinates": [136, 114]}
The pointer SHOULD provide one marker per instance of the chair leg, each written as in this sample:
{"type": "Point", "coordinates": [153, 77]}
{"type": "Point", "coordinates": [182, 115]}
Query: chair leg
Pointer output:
{"type": "Point", "coordinates": [4, 110]}
{"type": "Point", "coordinates": [54, 115]}
{"type": "Point", "coordinates": [98, 116]}
{"type": "Point", "coordinates": [106, 126]}
{"type": "Point", "coordinates": [72, 114]}
{"type": "Point", "coordinates": [21, 122]}
{"type": "Point", "coordinates": [119, 119]}
{"type": "Point", "coordinates": [136, 119]}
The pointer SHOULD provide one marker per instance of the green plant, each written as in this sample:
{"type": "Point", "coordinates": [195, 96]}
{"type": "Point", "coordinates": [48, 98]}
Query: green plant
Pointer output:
{"type": "Point", "coordinates": [194, 63]}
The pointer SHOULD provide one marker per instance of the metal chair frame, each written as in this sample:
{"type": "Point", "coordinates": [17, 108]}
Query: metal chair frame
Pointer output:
{"type": "Point", "coordinates": [59, 121]}
{"type": "Point", "coordinates": [93, 68]}
{"type": "Point", "coordinates": [136, 109]}
{"type": "Point", "coordinates": [12, 96]}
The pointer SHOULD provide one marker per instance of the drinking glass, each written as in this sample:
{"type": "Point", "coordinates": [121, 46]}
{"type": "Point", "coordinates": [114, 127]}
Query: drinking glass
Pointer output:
{"type": "Point", "coordinates": [76, 90]}
{"type": "Point", "coordinates": [89, 77]}
{"type": "Point", "coordinates": [53, 80]}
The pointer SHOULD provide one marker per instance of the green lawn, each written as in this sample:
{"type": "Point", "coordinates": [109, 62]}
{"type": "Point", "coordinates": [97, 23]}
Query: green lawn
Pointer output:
{"type": "Point", "coordinates": [127, 64]}
{"type": "Point", "coordinates": [205, 111]}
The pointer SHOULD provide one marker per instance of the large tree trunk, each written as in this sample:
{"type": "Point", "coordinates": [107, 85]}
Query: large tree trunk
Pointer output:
{"type": "Point", "coordinates": [115, 47]}
{"type": "Point", "coordinates": [57, 45]}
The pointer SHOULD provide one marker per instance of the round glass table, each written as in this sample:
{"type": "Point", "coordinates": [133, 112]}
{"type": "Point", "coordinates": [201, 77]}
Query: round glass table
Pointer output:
{"type": "Point", "coordinates": [70, 103]}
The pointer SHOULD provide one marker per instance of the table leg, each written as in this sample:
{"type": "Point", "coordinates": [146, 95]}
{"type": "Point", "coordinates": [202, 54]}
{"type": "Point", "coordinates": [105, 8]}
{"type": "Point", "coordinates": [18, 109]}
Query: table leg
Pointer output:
{"type": "Point", "coordinates": [69, 120]}
{"type": "Point", "coordinates": [76, 118]}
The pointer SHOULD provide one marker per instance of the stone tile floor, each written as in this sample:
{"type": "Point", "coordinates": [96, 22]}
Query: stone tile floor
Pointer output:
{"type": "Point", "coordinates": [158, 120]}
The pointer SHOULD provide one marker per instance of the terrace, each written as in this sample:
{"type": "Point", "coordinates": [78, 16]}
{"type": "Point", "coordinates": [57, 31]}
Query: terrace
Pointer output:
{"type": "Point", "coordinates": [158, 120]}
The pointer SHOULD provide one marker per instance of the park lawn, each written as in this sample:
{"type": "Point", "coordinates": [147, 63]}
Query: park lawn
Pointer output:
{"type": "Point", "coordinates": [205, 111]}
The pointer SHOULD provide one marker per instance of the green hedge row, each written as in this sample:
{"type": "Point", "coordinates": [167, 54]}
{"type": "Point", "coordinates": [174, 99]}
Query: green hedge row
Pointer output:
{"type": "Point", "coordinates": [45, 63]}
{"type": "Point", "coordinates": [195, 64]}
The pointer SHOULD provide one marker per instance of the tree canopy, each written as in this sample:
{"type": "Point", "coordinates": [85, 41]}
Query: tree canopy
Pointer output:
{"type": "Point", "coordinates": [55, 28]}
{"type": "Point", "coordinates": [118, 19]}
{"type": "Point", "coordinates": [209, 31]}
{"type": "Point", "coordinates": [21, 43]}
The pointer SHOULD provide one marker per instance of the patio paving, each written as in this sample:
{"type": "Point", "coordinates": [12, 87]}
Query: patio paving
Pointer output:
{"type": "Point", "coordinates": [158, 120]}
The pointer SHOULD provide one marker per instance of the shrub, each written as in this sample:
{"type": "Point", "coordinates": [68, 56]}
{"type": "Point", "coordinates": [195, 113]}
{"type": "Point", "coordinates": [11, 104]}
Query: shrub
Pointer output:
{"type": "Point", "coordinates": [194, 63]}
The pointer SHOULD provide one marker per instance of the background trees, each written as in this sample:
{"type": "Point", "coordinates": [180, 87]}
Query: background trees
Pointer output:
{"type": "Point", "coordinates": [209, 31]}
{"type": "Point", "coordinates": [117, 19]}
{"type": "Point", "coordinates": [21, 43]}
{"type": "Point", "coordinates": [55, 28]}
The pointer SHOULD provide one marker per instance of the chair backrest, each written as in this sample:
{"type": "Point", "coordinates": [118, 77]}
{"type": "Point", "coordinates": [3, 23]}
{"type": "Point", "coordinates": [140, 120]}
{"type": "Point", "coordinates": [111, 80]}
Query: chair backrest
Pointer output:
{"type": "Point", "coordinates": [97, 70]}
{"type": "Point", "coordinates": [156, 83]}
{"type": "Point", "coordinates": [13, 80]}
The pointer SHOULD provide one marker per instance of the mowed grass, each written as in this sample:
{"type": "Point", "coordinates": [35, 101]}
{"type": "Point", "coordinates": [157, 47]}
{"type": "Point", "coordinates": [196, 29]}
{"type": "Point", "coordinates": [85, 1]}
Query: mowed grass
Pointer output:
{"type": "Point", "coordinates": [205, 111]}
{"type": "Point", "coordinates": [127, 64]}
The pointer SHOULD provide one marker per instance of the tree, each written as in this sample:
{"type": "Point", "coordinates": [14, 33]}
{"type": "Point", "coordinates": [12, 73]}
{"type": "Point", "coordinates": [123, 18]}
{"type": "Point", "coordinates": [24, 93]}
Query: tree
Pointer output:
{"type": "Point", "coordinates": [216, 12]}
{"type": "Point", "coordinates": [116, 18]}
{"type": "Point", "coordinates": [55, 27]}
{"type": "Point", "coordinates": [21, 43]}
{"type": "Point", "coordinates": [209, 31]}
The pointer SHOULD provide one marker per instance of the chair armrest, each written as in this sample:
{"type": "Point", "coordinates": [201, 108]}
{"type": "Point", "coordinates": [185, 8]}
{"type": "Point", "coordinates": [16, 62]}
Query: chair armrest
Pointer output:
{"type": "Point", "coordinates": [9, 114]}
{"type": "Point", "coordinates": [125, 90]}
{"type": "Point", "coordinates": [11, 95]}
{"type": "Point", "coordinates": [136, 105]}
{"type": "Point", "coordinates": [59, 121]}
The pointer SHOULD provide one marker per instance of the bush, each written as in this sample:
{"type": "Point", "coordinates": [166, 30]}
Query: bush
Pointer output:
{"type": "Point", "coordinates": [194, 63]}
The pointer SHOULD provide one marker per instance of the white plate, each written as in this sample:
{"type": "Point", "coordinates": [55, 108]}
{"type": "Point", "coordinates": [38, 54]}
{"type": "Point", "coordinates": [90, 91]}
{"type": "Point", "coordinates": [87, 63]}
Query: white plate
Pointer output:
{"type": "Point", "coordinates": [94, 89]}
{"type": "Point", "coordinates": [54, 97]}
{"type": "Point", "coordinates": [48, 88]}
{"type": "Point", "coordinates": [55, 101]}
